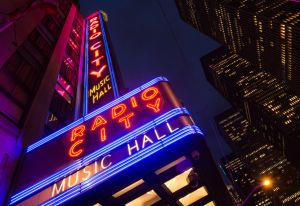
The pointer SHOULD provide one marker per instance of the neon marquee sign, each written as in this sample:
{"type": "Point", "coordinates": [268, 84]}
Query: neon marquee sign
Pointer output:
{"type": "Point", "coordinates": [113, 137]}
{"type": "Point", "coordinates": [119, 118]}
{"type": "Point", "coordinates": [102, 86]}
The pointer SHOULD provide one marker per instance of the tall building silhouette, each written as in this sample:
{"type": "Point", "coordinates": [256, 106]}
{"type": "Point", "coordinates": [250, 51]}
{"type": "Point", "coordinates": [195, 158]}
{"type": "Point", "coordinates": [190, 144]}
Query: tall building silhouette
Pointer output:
{"type": "Point", "coordinates": [265, 32]}
{"type": "Point", "coordinates": [269, 105]}
{"type": "Point", "coordinates": [256, 70]}
{"type": "Point", "coordinates": [254, 159]}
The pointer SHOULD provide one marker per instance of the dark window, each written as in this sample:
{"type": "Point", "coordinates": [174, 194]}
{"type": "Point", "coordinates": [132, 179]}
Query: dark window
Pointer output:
{"type": "Point", "coordinates": [40, 43]}
{"type": "Point", "coordinates": [69, 72]}
{"type": "Point", "coordinates": [53, 26]}
{"type": "Point", "coordinates": [18, 84]}
{"type": "Point", "coordinates": [61, 109]}
{"type": "Point", "coordinates": [64, 6]}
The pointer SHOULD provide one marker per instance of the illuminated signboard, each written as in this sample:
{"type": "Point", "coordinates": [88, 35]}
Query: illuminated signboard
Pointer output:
{"type": "Point", "coordinates": [102, 144]}
{"type": "Point", "coordinates": [99, 72]}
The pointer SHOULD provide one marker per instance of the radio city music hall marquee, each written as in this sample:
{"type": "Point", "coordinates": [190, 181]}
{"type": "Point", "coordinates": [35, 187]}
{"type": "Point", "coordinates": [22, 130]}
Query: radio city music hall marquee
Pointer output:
{"type": "Point", "coordinates": [108, 139]}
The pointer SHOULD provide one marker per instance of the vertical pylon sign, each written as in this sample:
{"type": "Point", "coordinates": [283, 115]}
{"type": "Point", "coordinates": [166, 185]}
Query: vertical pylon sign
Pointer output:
{"type": "Point", "coordinates": [100, 84]}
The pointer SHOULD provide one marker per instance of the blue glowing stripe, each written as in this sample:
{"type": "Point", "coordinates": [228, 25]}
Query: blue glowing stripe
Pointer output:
{"type": "Point", "coordinates": [17, 197]}
{"type": "Point", "coordinates": [70, 193]}
{"type": "Point", "coordinates": [111, 171]}
{"type": "Point", "coordinates": [85, 160]}
{"type": "Point", "coordinates": [124, 97]}
{"type": "Point", "coordinates": [86, 68]}
{"type": "Point", "coordinates": [108, 57]}
{"type": "Point", "coordinates": [169, 115]}
{"type": "Point", "coordinates": [53, 135]}
{"type": "Point", "coordinates": [93, 114]}
{"type": "Point", "coordinates": [100, 177]}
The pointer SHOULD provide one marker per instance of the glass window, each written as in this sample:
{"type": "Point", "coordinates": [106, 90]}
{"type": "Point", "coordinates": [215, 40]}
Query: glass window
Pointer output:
{"type": "Point", "coordinates": [128, 188]}
{"type": "Point", "coordinates": [170, 165]}
{"type": "Point", "coordinates": [52, 26]}
{"type": "Point", "coordinates": [18, 83]}
{"type": "Point", "coordinates": [10, 109]}
{"type": "Point", "coordinates": [60, 108]}
{"type": "Point", "coordinates": [179, 181]}
{"type": "Point", "coordinates": [63, 93]}
{"type": "Point", "coordinates": [66, 86]}
{"type": "Point", "coordinates": [212, 203]}
{"type": "Point", "coordinates": [41, 44]}
{"type": "Point", "coordinates": [193, 196]}
{"type": "Point", "coordinates": [149, 198]}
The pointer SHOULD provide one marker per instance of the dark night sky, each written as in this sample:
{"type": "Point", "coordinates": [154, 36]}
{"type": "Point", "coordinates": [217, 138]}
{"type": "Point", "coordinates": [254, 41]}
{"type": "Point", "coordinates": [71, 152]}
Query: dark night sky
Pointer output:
{"type": "Point", "coordinates": [151, 40]}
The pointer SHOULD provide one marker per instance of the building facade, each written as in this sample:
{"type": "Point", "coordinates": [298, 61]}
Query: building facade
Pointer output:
{"type": "Point", "coordinates": [268, 104]}
{"type": "Point", "coordinates": [71, 134]}
{"type": "Point", "coordinates": [30, 35]}
{"type": "Point", "coordinates": [258, 74]}
{"type": "Point", "coordinates": [253, 159]}
{"type": "Point", "coordinates": [263, 32]}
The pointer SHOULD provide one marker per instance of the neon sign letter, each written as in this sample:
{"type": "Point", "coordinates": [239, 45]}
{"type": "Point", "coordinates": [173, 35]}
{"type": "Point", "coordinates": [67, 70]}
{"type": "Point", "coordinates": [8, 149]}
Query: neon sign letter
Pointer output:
{"type": "Point", "coordinates": [76, 132]}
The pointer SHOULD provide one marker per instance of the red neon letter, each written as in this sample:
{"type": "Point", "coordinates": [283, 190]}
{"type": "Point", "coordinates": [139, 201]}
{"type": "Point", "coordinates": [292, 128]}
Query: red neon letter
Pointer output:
{"type": "Point", "coordinates": [76, 132]}
{"type": "Point", "coordinates": [98, 73]}
{"type": "Point", "coordinates": [133, 102]}
{"type": "Point", "coordinates": [95, 35]}
{"type": "Point", "coordinates": [94, 25]}
{"type": "Point", "coordinates": [72, 151]}
{"type": "Point", "coordinates": [155, 107]}
{"type": "Point", "coordinates": [94, 19]}
{"type": "Point", "coordinates": [97, 60]}
{"type": "Point", "coordinates": [96, 45]}
{"type": "Point", "coordinates": [118, 110]}
{"type": "Point", "coordinates": [125, 119]}
{"type": "Point", "coordinates": [99, 120]}
{"type": "Point", "coordinates": [102, 134]}
{"type": "Point", "coordinates": [147, 96]}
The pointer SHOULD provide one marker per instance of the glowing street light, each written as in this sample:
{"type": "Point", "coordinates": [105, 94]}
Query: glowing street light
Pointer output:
{"type": "Point", "coordinates": [265, 183]}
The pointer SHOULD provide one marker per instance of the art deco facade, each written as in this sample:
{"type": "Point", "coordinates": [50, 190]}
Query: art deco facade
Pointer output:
{"type": "Point", "coordinates": [268, 104]}
{"type": "Point", "coordinates": [265, 32]}
{"type": "Point", "coordinates": [253, 160]}
{"type": "Point", "coordinates": [33, 45]}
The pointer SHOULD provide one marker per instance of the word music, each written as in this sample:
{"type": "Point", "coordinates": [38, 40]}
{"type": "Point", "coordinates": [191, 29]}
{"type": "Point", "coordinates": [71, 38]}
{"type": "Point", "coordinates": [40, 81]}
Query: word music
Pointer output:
{"type": "Point", "coordinates": [99, 89]}
{"type": "Point", "coordinates": [122, 114]}
{"type": "Point", "coordinates": [99, 81]}
{"type": "Point", "coordinates": [133, 146]}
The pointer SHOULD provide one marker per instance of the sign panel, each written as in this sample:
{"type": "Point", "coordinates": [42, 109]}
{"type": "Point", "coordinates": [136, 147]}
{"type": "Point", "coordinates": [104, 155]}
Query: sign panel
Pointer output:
{"type": "Point", "coordinates": [108, 137]}
{"type": "Point", "coordinates": [100, 169]}
{"type": "Point", "coordinates": [102, 86]}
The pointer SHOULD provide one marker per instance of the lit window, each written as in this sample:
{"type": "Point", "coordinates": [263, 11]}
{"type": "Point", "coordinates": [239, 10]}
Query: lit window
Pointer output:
{"type": "Point", "coordinates": [146, 199]}
{"type": "Point", "coordinates": [63, 93]}
{"type": "Point", "coordinates": [212, 203]}
{"type": "Point", "coordinates": [193, 196]}
{"type": "Point", "coordinates": [65, 85]}
{"type": "Point", "coordinates": [178, 182]}
{"type": "Point", "coordinates": [168, 166]}
{"type": "Point", "coordinates": [128, 188]}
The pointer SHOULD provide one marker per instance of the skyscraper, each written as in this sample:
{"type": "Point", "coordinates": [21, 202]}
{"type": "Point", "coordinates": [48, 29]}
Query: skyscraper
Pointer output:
{"type": "Point", "coordinates": [263, 32]}
{"type": "Point", "coordinates": [258, 74]}
{"type": "Point", "coordinates": [253, 160]}
{"type": "Point", "coordinates": [80, 140]}
{"type": "Point", "coordinates": [268, 104]}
